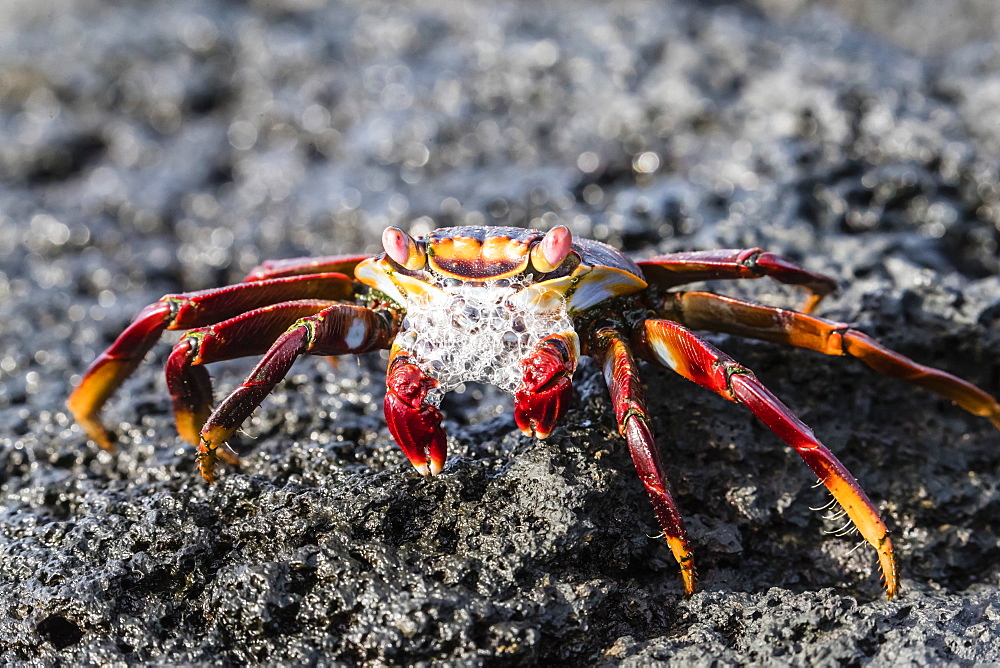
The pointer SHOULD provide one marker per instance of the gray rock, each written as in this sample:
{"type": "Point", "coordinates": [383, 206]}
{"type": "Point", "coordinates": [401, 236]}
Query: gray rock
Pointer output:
{"type": "Point", "coordinates": [156, 147]}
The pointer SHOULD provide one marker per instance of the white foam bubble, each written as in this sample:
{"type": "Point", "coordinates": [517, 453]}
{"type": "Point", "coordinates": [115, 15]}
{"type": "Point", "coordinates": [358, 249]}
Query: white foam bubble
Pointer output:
{"type": "Point", "coordinates": [476, 333]}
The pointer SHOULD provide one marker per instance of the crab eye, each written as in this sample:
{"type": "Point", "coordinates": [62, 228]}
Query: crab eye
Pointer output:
{"type": "Point", "coordinates": [401, 247]}
{"type": "Point", "coordinates": [550, 252]}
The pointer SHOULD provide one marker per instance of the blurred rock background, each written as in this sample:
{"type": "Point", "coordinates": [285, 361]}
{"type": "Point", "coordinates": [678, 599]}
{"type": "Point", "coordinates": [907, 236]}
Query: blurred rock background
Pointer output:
{"type": "Point", "coordinates": [156, 147]}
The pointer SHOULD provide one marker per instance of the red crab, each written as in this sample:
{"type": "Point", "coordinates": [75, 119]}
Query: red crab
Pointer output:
{"type": "Point", "coordinates": [514, 308]}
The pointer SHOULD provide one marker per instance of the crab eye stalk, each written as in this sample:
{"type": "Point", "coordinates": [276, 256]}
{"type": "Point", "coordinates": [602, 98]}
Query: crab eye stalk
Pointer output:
{"type": "Point", "coordinates": [401, 247]}
{"type": "Point", "coordinates": [550, 252]}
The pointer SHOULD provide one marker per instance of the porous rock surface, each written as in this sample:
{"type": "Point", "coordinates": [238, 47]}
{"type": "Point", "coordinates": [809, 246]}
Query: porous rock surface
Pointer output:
{"type": "Point", "coordinates": [148, 148]}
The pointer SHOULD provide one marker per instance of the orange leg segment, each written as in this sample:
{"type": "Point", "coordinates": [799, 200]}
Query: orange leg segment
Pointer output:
{"type": "Point", "coordinates": [184, 311]}
{"type": "Point", "coordinates": [703, 310]}
{"type": "Point", "coordinates": [680, 349]}
{"type": "Point", "coordinates": [610, 350]}
{"type": "Point", "coordinates": [667, 271]}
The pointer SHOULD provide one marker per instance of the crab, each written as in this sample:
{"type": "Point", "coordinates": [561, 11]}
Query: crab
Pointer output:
{"type": "Point", "coordinates": [515, 308]}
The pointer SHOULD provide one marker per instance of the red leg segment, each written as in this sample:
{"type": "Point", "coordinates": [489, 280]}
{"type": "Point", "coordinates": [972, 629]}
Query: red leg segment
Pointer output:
{"type": "Point", "coordinates": [339, 329]}
{"type": "Point", "coordinates": [703, 310]}
{"type": "Point", "coordinates": [298, 266]}
{"type": "Point", "coordinates": [250, 333]}
{"type": "Point", "coordinates": [546, 384]}
{"type": "Point", "coordinates": [184, 311]}
{"type": "Point", "coordinates": [668, 271]}
{"type": "Point", "coordinates": [611, 351]}
{"type": "Point", "coordinates": [414, 423]}
{"type": "Point", "coordinates": [680, 349]}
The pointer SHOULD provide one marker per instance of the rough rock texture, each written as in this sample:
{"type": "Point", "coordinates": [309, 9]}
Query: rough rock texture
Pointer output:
{"type": "Point", "coordinates": [148, 148]}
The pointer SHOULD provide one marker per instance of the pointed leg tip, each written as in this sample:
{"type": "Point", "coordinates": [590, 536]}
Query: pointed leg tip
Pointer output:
{"type": "Point", "coordinates": [685, 559]}
{"type": "Point", "coordinates": [212, 446]}
{"type": "Point", "coordinates": [97, 433]}
{"type": "Point", "coordinates": [887, 562]}
{"type": "Point", "coordinates": [206, 464]}
{"type": "Point", "coordinates": [422, 469]}
{"type": "Point", "coordinates": [189, 426]}
{"type": "Point", "coordinates": [690, 579]}
{"type": "Point", "coordinates": [104, 442]}
{"type": "Point", "coordinates": [532, 429]}
{"type": "Point", "coordinates": [811, 303]}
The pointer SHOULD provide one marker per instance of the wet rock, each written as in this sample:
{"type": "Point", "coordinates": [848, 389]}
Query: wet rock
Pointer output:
{"type": "Point", "coordinates": [172, 146]}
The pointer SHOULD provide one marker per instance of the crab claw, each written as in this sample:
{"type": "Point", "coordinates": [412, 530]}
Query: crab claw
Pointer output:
{"type": "Point", "coordinates": [546, 384]}
{"type": "Point", "coordinates": [416, 426]}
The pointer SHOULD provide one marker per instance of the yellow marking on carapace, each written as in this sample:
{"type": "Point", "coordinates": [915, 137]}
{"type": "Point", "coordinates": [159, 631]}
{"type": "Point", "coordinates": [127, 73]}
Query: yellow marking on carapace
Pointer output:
{"type": "Point", "coordinates": [465, 257]}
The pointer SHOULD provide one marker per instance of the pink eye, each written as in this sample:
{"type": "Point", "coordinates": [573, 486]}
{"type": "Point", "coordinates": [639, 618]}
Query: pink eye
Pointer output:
{"type": "Point", "coordinates": [553, 249]}
{"type": "Point", "coordinates": [397, 244]}
{"type": "Point", "coordinates": [401, 247]}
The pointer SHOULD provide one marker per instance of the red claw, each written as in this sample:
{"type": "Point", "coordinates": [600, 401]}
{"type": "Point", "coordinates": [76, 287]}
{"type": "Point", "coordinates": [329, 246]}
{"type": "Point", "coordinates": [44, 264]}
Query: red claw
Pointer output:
{"type": "Point", "coordinates": [415, 426]}
{"type": "Point", "coordinates": [546, 386]}
{"type": "Point", "coordinates": [537, 413]}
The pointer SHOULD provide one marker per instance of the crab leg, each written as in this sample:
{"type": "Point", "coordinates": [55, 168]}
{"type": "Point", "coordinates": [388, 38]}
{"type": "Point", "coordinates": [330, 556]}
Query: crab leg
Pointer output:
{"type": "Point", "coordinates": [414, 422]}
{"type": "Point", "coordinates": [680, 349]}
{"type": "Point", "coordinates": [611, 351]}
{"type": "Point", "coordinates": [183, 311]}
{"type": "Point", "coordinates": [340, 329]}
{"type": "Point", "coordinates": [250, 333]}
{"type": "Point", "coordinates": [667, 271]}
{"type": "Point", "coordinates": [702, 310]}
{"type": "Point", "coordinates": [297, 266]}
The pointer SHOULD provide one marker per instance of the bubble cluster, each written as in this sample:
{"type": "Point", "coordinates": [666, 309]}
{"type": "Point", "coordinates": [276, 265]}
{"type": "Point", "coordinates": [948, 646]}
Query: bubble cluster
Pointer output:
{"type": "Point", "coordinates": [476, 333]}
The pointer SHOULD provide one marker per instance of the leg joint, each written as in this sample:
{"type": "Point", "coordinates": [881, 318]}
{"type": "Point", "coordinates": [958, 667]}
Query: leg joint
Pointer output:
{"type": "Point", "coordinates": [632, 411]}
{"type": "Point", "coordinates": [176, 303]}
{"type": "Point", "coordinates": [841, 334]}
{"type": "Point", "coordinates": [731, 368]}
{"type": "Point", "coordinates": [750, 262]}
{"type": "Point", "coordinates": [309, 325]}
{"type": "Point", "coordinates": [193, 340]}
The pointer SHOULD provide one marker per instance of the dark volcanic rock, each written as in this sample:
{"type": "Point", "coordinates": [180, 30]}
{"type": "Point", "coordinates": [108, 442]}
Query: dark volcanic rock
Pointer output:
{"type": "Point", "coordinates": [154, 147]}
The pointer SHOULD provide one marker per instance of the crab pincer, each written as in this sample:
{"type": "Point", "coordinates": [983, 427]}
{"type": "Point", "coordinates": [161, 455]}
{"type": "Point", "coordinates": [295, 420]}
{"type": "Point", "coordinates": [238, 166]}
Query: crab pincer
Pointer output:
{"type": "Point", "coordinates": [414, 423]}
{"type": "Point", "coordinates": [546, 385]}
